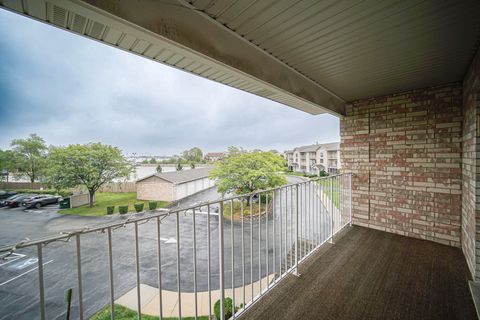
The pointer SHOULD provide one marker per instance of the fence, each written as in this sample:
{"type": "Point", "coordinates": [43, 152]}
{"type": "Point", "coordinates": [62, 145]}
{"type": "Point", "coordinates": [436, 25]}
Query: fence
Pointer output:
{"type": "Point", "coordinates": [20, 185]}
{"type": "Point", "coordinates": [119, 187]}
{"type": "Point", "coordinates": [238, 247]}
{"type": "Point", "coordinates": [115, 187]}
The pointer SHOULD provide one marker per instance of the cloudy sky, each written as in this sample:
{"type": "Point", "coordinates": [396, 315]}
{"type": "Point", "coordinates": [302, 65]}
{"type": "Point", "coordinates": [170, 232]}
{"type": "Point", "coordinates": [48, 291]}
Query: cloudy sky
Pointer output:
{"type": "Point", "coordinates": [69, 89]}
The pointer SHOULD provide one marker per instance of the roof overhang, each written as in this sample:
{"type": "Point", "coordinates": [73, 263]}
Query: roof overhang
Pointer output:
{"type": "Point", "coordinates": [310, 55]}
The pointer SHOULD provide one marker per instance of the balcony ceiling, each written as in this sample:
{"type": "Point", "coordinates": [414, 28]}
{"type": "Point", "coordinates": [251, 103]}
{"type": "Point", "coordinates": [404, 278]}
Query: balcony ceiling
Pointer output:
{"type": "Point", "coordinates": [311, 55]}
{"type": "Point", "coordinates": [359, 49]}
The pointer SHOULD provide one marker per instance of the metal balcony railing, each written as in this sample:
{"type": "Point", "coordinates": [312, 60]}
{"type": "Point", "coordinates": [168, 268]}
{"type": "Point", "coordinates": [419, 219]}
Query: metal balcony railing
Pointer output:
{"type": "Point", "coordinates": [238, 247]}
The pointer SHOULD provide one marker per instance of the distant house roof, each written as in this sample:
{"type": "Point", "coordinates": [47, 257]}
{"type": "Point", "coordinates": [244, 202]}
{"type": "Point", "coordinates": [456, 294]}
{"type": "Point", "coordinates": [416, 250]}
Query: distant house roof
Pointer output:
{"type": "Point", "coordinates": [310, 148]}
{"type": "Point", "coordinates": [288, 151]}
{"type": "Point", "coordinates": [331, 146]}
{"type": "Point", "coordinates": [215, 154]}
{"type": "Point", "coordinates": [315, 147]}
{"type": "Point", "coordinates": [182, 176]}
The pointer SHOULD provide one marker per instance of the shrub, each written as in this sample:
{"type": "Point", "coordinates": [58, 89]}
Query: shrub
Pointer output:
{"type": "Point", "coordinates": [323, 173]}
{"type": "Point", "coordinates": [63, 193]}
{"type": "Point", "coordinates": [110, 209]}
{"type": "Point", "coordinates": [228, 308]}
{"type": "Point", "coordinates": [123, 209]}
{"type": "Point", "coordinates": [138, 207]}
{"type": "Point", "coordinates": [152, 205]}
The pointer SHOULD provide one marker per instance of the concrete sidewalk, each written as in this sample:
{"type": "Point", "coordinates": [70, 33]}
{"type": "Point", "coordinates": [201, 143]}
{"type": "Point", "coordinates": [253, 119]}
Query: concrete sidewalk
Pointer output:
{"type": "Point", "coordinates": [149, 297]}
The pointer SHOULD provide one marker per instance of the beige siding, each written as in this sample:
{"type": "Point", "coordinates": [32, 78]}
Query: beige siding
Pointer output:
{"type": "Point", "coordinates": [183, 190]}
{"type": "Point", "coordinates": [155, 188]}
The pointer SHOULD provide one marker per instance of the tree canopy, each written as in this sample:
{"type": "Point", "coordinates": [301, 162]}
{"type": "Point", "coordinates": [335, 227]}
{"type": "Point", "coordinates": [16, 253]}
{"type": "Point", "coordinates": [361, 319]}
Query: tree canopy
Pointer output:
{"type": "Point", "coordinates": [242, 173]}
{"type": "Point", "coordinates": [193, 155]}
{"type": "Point", "coordinates": [7, 163]}
{"type": "Point", "coordinates": [30, 156]}
{"type": "Point", "coordinates": [159, 168]}
{"type": "Point", "coordinates": [91, 165]}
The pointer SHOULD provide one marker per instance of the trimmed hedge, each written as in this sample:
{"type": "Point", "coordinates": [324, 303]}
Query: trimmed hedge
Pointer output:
{"type": "Point", "coordinates": [152, 205]}
{"type": "Point", "coordinates": [138, 207]}
{"type": "Point", "coordinates": [122, 209]}
{"type": "Point", "coordinates": [110, 209]}
{"type": "Point", "coordinates": [63, 193]}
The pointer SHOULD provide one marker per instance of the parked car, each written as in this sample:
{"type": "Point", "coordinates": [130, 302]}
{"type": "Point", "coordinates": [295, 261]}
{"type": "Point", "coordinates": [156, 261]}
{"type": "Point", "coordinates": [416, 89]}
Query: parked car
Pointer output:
{"type": "Point", "coordinates": [6, 194]}
{"type": "Point", "coordinates": [3, 202]}
{"type": "Point", "coordinates": [17, 200]}
{"type": "Point", "coordinates": [40, 201]}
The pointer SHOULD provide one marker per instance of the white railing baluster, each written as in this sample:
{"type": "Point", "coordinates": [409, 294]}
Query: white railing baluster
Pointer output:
{"type": "Point", "coordinates": [159, 267]}
{"type": "Point", "coordinates": [41, 284]}
{"type": "Point", "coordinates": [110, 273]}
{"type": "Point", "coordinates": [137, 269]}
{"type": "Point", "coordinates": [79, 278]}
{"type": "Point", "coordinates": [232, 245]}
{"type": "Point", "coordinates": [195, 263]}
{"type": "Point", "coordinates": [221, 262]}
{"type": "Point", "coordinates": [209, 284]}
{"type": "Point", "coordinates": [179, 289]}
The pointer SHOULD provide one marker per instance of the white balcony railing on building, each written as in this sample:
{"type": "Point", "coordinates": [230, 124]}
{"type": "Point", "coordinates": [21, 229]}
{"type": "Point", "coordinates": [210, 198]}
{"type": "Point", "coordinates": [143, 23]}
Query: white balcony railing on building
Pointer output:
{"type": "Point", "coordinates": [238, 247]}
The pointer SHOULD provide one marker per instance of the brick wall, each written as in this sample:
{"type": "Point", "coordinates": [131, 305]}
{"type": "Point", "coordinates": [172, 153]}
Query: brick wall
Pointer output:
{"type": "Point", "coordinates": [470, 208]}
{"type": "Point", "coordinates": [154, 188]}
{"type": "Point", "coordinates": [405, 153]}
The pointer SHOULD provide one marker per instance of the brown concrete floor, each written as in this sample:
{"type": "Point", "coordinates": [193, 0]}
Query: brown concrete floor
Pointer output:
{"type": "Point", "coordinates": [370, 274]}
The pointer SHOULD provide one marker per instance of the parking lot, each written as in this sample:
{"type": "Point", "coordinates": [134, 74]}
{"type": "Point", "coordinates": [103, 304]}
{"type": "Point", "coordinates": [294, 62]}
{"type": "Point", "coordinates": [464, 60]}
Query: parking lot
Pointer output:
{"type": "Point", "coordinates": [18, 275]}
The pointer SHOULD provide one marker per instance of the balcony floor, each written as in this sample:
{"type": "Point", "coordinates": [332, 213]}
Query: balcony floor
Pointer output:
{"type": "Point", "coordinates": [370, 274]}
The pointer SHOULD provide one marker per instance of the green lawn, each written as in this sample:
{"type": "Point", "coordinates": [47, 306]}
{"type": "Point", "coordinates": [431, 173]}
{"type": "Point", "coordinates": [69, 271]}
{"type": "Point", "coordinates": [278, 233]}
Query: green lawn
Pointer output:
{"type": "Point", "coordinates": [104, 199]}
{"type": "Point", "coordinates": [299, 174]}
{"type": "Point", "coordinates": [122, 313]}
{"type": "Point", "coordinates": [326, 189]}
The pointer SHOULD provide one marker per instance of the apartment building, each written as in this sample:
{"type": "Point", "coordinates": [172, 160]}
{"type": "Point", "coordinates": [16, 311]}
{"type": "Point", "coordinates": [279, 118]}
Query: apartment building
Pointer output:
{"type": "Point", "coordinates": [313, 159]}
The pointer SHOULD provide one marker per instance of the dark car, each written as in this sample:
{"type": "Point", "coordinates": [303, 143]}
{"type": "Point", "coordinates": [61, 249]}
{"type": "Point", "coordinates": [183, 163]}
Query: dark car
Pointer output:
{"type": "Point", "coordinates": [6, 194]}
{"type": "Point", "coordinates": [17, 200]}
{"type": "Point", "coordinates": [40, 201]}
{"type": "Point", "coordinates": [3, 202]}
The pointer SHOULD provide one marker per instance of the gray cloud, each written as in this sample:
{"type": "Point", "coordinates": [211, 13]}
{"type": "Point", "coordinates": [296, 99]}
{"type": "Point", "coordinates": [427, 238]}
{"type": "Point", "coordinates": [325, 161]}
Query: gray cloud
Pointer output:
{"type": "Point", "coordinates": [73, 90]}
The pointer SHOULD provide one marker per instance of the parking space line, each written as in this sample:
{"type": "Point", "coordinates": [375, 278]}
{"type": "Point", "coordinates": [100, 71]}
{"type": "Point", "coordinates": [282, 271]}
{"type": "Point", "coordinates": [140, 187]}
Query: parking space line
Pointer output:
{"type": "Point", "coordinates": [22, 274]}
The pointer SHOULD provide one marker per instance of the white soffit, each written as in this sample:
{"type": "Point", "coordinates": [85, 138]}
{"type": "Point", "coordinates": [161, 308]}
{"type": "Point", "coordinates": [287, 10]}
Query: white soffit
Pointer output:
{"type": "Point", "coordinates": [360, 48]}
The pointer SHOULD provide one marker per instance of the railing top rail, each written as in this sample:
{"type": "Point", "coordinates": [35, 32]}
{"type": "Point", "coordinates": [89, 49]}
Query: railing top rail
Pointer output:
{"type": "Point", "coordinates": [65, 235]}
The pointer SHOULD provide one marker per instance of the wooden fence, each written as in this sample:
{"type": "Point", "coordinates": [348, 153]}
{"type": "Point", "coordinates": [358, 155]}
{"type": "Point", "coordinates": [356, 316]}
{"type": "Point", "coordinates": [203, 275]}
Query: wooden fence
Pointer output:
{"type": "Point", "coordinates": [116, 187]}
{"type": "Point", "coordinates": [119, 187]}
{"type": "Point", "coordinates": [21, 185]}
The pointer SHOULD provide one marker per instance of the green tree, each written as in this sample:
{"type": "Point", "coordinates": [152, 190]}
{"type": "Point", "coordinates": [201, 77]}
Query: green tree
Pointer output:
{"type": "Point", "coordinates": [7, 163]}
{"type": "Point", "coordinates": [247, 172]}
{"type": "Point", "coordinates": [30, 156]}
{"type": "Point", "coordinates": [193, 155]}
{"type": "Point", "coordinates": [179, 166]}
{"type": "Point", "coordinates": [232, 150]}
{"type": "Point", "coordinates": [153, 161]}
{"type": "Point", "coordinates": [159, 169]}
{"type": "Point", "coordinates": [91, 165]}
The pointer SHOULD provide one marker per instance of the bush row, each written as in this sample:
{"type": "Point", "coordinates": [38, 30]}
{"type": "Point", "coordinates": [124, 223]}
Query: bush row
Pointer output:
{"type": "Point", "coordinates": [152, 205]}
{"type": "Point", "coordinates": [63, 193]}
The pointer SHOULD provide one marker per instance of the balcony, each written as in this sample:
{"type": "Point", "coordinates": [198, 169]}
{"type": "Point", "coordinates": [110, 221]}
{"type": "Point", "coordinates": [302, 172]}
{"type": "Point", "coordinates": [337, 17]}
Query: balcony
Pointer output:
{"type": "Point", "coordinates": [404, 79]}
{"type": "Point", "coordinates": [370, 274]}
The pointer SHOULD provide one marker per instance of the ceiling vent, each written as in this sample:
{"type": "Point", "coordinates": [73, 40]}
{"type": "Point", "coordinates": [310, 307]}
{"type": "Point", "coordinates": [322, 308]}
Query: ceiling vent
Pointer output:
{"type": "Point", "coordinates": [58, 15]}
{"type": "Point", "coordinates": [78, 24]}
